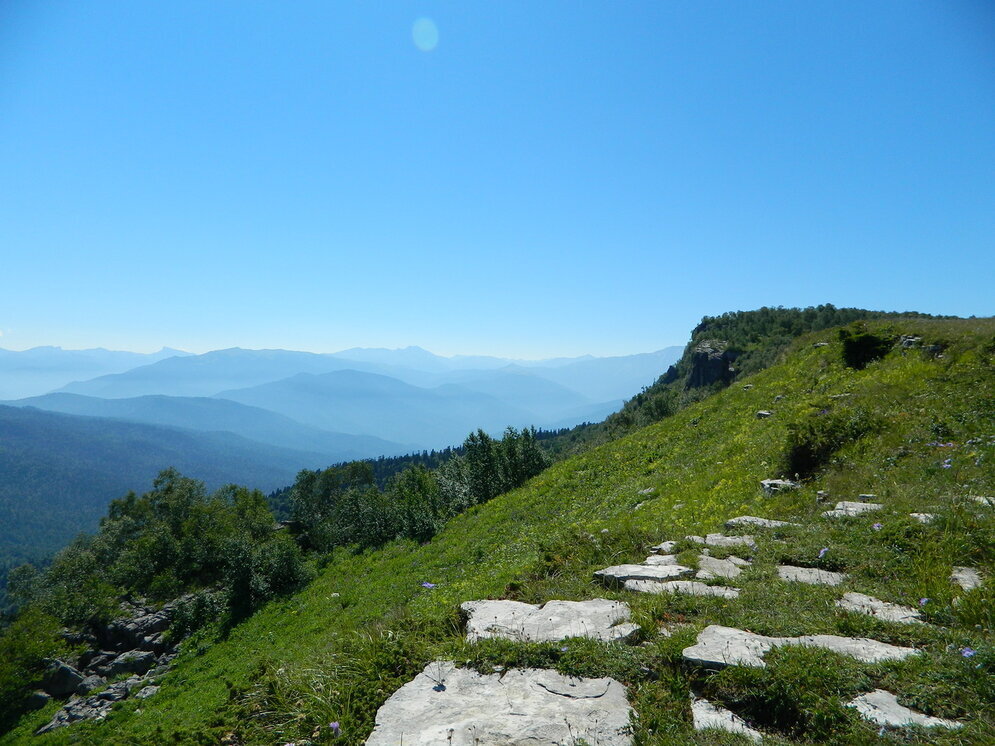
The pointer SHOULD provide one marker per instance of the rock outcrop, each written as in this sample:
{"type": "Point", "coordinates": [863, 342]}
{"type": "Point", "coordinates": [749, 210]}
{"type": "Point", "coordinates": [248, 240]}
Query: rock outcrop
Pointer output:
{"type": "Point", "coordinates": [460, 707]}
{"type": "Point", "coordinates": [599, 619]}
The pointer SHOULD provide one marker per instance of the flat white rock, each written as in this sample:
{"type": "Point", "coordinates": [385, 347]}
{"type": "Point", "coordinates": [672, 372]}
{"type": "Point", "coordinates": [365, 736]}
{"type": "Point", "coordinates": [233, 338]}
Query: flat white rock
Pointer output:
{"type": "Point", "coordinates": [923, 517]}
{"type": "Point", "coordinates": [752, 520]}
{"type": "Point", "coordinates": [661, 559]}
{"type": "Point", "coordinates": [707, 715]}
{"type": "Point", "coordinates": [621, 573]}
{"type": "Point", "coordinates": [847, 508]}
{"type": "Point", "coordinates": [874, 607]}
{"type": "Point", "coordinates": [720, 540]}
{"type": "Point", "coordinates": [719, 646]}
{"type": "Point", "coordinates": [882, 707]}
{"type": "Point", "coordinates": [599, 619]}
{"type": "Point", "coordinates": [710, 568]}
{"type": "Point", "coordinates": [687, 587]}
{"type": "Point", "coordinates": [458, 706]}
{"type": "Point", "coordinates": [966, 577]}
{"type": "Point", "coordinates": [988, 502]}
{"type": "Point", "coordinates": [810, 575]}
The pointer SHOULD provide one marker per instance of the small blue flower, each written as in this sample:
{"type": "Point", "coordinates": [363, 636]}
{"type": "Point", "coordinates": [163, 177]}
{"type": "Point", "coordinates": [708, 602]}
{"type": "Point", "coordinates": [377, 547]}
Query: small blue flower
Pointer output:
{"type": "Point", "coordinates": [822, 552]}
{"type": "Point", "coordinates": [426, 584]}
{"type": "Point", "coordinates": [923, 601]}
{"type": "Point", "coordinates": [968, 652]}
{"type": "Point", "coordinates": [336, 730]}
{"type": "Point", "coordinates": [947, 463]}
{"type": "Point", "coordinates": [877, 526]}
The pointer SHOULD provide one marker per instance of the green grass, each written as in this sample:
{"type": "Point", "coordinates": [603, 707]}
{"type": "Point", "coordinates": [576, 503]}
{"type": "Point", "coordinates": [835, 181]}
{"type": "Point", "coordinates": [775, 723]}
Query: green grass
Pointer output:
{"type": "Point", "coordinates": [339, 648]}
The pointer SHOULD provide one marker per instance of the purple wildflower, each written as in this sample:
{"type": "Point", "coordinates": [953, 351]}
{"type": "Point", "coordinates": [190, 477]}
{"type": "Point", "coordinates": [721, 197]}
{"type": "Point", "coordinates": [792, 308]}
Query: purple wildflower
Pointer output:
{"type": "Point", "coordinates": [336, 730]}
{"type": "Point", "coordinates": [426, 584]}
{"type": "Point", "coordinates": [947, 463]}
{"type": "Point", "coordinates": [876, 526]}
{"type": "Point", "coordinates": [923, 601]}
{"type": "Point", "coordinates": [822, 552]}
{"type": "Point", "coordinates": [968, 652]}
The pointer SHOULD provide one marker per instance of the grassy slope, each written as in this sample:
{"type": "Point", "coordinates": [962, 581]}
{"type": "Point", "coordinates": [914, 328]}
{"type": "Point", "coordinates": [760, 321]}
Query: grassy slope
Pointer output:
{"type": "Point", "coordinates": [319, 656]}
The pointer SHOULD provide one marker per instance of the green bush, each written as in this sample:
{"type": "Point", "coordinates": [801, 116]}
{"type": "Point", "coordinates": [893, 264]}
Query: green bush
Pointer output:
{"type": "Point", "coordinates": [861, 347]}
{"type": "Point", "coordinates": [25, 647]}
{"type": "Point", "coordinates": [812, 441]}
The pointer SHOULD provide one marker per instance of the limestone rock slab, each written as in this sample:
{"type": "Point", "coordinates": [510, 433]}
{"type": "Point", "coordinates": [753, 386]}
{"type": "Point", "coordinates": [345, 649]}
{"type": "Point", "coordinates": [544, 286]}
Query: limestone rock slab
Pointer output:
{"type": "Point", "coordinates": [599, 619]}
{"type": "Point", "coordinates": [664, 547]}
{"type": "Point", "coordinates": [883, 610]}
{"type": "Point", "coordinates": [966, 577]}
{"type": "Point", "coordinates": [707, 715]}
{"type": "Point", "coordinates": [810, 575]}
{"type": "Point", "coordinates": [847, 509]}
{"type": "Point", "coordinates": [687, 587]}
{"type": "Point", "coordinates": [618, 574]}
{"type": "Point", "coordinates": [752, 520]}
{"type": "Point", "coordinates": [661, 559]}
{"type": "Point", "coordinates": [923, 517]}
{"type": "Point", "coordinates": [881, 707]}
{"type": "Point", "coordinates": [721, 540]}
{"type": "Point", "coordinates": [710, 568]}
{"type": "Point", "coordinates": [719, 646]}
{"type": "Point", "coordinates": [458, 706]}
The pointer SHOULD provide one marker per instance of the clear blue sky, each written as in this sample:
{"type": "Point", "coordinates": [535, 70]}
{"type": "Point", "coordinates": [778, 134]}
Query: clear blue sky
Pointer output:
{"type": "Point", "coordinates": [551, 178]}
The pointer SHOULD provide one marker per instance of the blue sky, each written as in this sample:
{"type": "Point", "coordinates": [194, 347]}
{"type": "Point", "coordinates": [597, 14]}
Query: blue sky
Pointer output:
{"type": "Point", "coordinates": [552, 178]}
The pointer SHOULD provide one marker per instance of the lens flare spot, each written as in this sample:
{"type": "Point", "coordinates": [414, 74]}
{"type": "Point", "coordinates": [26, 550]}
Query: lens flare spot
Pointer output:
{"type": "Point", "coordinates": [425, 34]}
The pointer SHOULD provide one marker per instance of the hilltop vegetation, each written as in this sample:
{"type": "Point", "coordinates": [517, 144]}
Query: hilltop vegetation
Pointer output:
{"type": "Point", "coordinates": [913, 426]}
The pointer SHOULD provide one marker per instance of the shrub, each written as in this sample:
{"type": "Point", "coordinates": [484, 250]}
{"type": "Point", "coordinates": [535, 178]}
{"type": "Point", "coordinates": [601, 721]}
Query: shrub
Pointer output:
{"type": "Point", "coordinates": [813, 440]}
{"type": "Point", "coordinates": [861, 347]}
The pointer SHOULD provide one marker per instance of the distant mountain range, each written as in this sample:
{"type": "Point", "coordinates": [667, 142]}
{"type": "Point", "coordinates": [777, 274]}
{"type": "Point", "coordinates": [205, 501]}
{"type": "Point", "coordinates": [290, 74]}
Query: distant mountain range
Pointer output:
{"type": "Point", "coordinates": [43, 369]}
{"type": "Point", "coordinates": [257, 417]}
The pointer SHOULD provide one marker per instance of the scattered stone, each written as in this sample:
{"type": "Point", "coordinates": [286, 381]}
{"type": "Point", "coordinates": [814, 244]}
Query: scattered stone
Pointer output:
{"type": "Point", "coordinates": [881, 707]}
{"type": "Point", "coordinates": [752, 520]}
{"type": "Point", "coordinates": [988, 502]}
{"type": "Point", "coordinates": [923, 517]}
{"type": "Point", "coordinates": [686, 587]}
{"type": "Point", "coordinates": [458, 706]}
{"type": "Point", "coordinates": [822, 496]}
{"type": "Point", "coordinates": [847, 509]}
{"type": "Point", "coordinates": [132, 661]}
{"type": "Point", "coordinates": [665, 547]}
{"type": "Point", "coordinates": [747, 387]}
{"type": "Point", "coordinates": [907, 341]}
{"type": "Point", "coordinates": [770, 486]}
{"type": "Point", "coordinates": [61, 679]}
{"type": "Point", "coordinates": [720, 540]}
{"type": "Point", "coordinates": [707, 715]}
{"type": "Point", "coordinates": [661, 559]}
{"type": "Point", "coordinates": [778, 398]}
{"type": "Point", "coordinates": [810, 575]}
{"type": "Point", "coordinates": [866, 498]}
{"type": "Point", "coordinates": [147, 691]}
{"type": "Point", "coordinates": [37, 700]}
{"type": "Point", "coordinates": [763, 414]}
{"type": "Point", "coordinates": [821, 344]}
{"type": "Point", "coordinates": [966, 577]}
{"type": "Point", "coordinates": [719, 646]}
{"type": "Point", "coordinates": [647, 491]}
{"type": "Point", "coordinates": [874, 607]}
{"type": "Point", "coordinates": [598, 619]}
{"type": "Point", "coordinates": [618, 574]}
{"type": "Point", "coordinates": [90, 683]}
{"type": "Point", "coordinates": [710, 568]}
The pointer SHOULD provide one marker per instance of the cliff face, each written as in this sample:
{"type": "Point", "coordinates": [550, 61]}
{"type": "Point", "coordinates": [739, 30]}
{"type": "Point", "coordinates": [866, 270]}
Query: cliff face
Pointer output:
{"type": "Point", "coordinates": [711, 361]}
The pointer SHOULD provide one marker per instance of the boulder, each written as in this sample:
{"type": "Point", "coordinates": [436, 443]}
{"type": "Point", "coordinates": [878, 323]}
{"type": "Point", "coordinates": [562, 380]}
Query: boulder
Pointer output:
{"type": "Point", "coordinates": [763, 414]}
{"type": "Point", "coordinates": [719, 646]}
{"type": "Point", "coordinates": [881, 707]}
{"type": "Point", "coordinates": [770, 486]}
{"type": "Point", "coordinates": [709, 716]}
{"type": "Point", "coordinates": [37, 700]}
{"type": "Point", "coordinates": [618, 574]}
{"type": "Point", "coordinates": [460, 707]}
{"type": "Point", "coordinates": [598, 619]}
{"type": "Point", "coordinates": [686, 587]}
{"type": "Point", "coordinates": [664, 547]}
{"type": "Point", "coordinates": [90, 683]}
{"type": "Point", "coordinates": [61, 679]}
{"type": "Point", "coordinates": [883, 610]}
{"type": "Point", "coordinates": [132, 661]}
{"type": "Point", "coordinates": [810, 575]}
{"type": "Point", "coordinates": [147, 691]}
